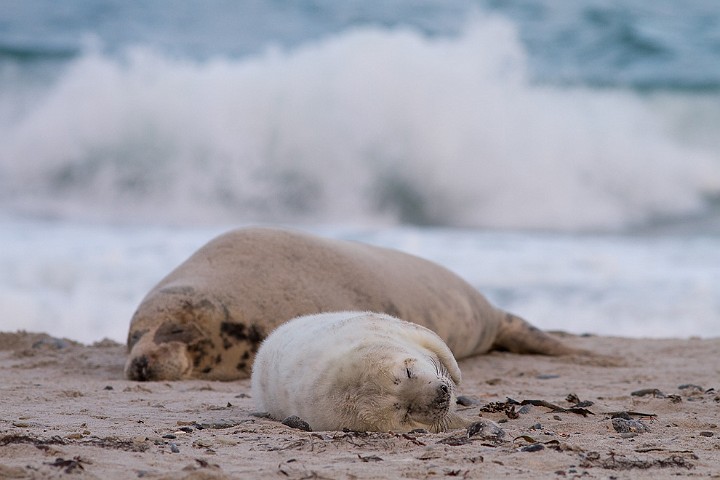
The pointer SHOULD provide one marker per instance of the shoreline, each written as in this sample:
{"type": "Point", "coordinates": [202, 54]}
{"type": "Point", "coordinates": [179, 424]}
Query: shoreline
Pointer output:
{"type": "Point", "coordinates": [68, 410]}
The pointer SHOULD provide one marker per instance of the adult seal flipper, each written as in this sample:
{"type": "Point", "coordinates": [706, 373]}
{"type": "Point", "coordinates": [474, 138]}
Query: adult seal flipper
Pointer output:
{"type": "Point", "coordinates": [517, 335]}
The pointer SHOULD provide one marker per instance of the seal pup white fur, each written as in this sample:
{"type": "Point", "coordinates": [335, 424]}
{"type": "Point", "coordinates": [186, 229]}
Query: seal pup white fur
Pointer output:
{"type": "Point", "coordinates": [360, 371]}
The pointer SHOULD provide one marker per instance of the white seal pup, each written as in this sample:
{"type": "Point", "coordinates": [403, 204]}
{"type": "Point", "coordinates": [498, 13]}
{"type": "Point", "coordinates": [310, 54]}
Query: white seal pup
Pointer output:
{"type": "Point", "coordinates": [360, 371]}
{"type": "Point", "coordinates": [207, 317]}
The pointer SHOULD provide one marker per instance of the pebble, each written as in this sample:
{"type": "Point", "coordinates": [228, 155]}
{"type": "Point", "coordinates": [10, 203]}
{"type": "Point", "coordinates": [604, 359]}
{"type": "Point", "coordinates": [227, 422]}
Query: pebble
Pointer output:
{"type": "Point", "coordinates": [686, 386]}
{"type": "Point", "coordinates": [52, 342]}
{"type": "Point", "coordinates": [622, 425]}
{"type": "Point", "coordinates": [648, 391]}
{"type": "Point", "coordinates": [485, 429]}
{"type": "Point", "coordinates": [174, 448]}
{"type": "Point", "coordinates": [218, 424]}
{"type": "Point", "coordinates": [294, 421]}
{"type": "Point", "coordinates": [706, 434]}
{"type": "Point", "coordinates": [226, 441]}
{"type": "Point", "coordinates": [466, 401]}
{"type": "Point", "coordinates": [535, 447]}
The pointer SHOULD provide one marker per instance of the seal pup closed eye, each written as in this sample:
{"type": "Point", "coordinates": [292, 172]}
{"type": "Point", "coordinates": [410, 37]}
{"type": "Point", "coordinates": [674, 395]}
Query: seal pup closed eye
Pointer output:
{"type": "Point", "coordinates": [360, 371]}
{"type": "Point", "coordinates": [207, 317]}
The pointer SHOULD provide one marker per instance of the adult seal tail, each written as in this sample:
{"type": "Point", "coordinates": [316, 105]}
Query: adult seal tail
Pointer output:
{"type": "Point", "coordinates": [207, 318]}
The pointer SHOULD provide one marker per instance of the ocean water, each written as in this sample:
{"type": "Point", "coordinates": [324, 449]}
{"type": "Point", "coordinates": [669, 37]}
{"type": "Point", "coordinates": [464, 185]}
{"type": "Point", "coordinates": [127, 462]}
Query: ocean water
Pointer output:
{"type": "Point", "coordinates": [562, 156]}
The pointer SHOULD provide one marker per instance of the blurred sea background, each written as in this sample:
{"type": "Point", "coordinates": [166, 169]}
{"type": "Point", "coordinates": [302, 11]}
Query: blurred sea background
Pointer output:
{"type": "Point", "coordinates": [563, 156]}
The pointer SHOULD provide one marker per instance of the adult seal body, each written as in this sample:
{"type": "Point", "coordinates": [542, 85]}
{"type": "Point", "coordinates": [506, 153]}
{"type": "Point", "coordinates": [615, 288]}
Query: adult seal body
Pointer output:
{"type": "Point", "coordinates": [206, 319]}
{"type": "Point", "coordinates": [360, 371]}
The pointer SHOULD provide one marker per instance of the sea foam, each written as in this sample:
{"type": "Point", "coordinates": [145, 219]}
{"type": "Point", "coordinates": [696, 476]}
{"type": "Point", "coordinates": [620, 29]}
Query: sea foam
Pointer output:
{"type": "Point", "coordinates": [368, 125]}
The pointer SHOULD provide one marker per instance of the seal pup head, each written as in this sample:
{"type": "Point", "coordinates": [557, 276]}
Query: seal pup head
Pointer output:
{"type": "Point", "coordinates": [405, 387]}
{"type": "Point", "coordinates": [425, 394]}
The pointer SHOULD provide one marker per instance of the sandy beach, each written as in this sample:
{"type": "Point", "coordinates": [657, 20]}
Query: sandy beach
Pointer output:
{"type": "Point", "coordinates": [653, 413]}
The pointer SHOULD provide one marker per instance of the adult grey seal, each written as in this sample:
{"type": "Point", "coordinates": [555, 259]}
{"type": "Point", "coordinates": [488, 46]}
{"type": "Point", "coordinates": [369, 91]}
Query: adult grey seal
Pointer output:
{"type": "Point", "coordinates": [207, 317]}
{"type": "Point", "coordinates": [360, 371]}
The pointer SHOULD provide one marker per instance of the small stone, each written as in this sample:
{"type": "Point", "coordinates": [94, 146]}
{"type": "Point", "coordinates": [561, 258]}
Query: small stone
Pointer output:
{"type": "Point", "coordinates": [648, 391]}
{"type": "Point", "coordinates": [706, 434]}
{"type": "Point", "coordinates": [226, 441]}
{"type": "Point", "coordinates": [622, 425]}
{"type": "Point", "coordinates": [431, 453]}
{"type": "Point", "coordinates": [691, 386]}
{"type": "Point", "coordinates": [169, 436]}
{"type": "Point", "coordinates": [485, 429]}
{"type": "Point", "coordinates": [294, 421]}
{"type": "Point", "coordinates": [261, 414]}
{"type": "Point", "coordinates": [202, 443]}
{"type": "Point", "coordinates": [51, 342]}
{"type": "Point", "coordinates": [174, 448]}
{"type": "Point", "coordinates": [455, 440]}
{"type": "Point", "coordinates": [466, 401]}
{"type": "Point", "coordinates": [535, 447]}
{"type": "Point", "coordinates": [218, 424]}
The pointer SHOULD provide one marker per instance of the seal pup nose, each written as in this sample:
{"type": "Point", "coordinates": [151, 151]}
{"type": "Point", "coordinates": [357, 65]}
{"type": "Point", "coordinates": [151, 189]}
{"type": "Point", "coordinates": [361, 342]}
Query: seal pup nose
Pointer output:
{"type": "Point", "coordinates": [139, 369]}
{"type": "Point", "coordinates": [443, 393]}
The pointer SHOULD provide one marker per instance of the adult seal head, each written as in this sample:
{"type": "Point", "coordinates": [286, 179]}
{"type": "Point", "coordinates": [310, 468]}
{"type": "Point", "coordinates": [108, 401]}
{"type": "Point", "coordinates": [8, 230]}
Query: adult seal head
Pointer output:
{"type": "Point", "coordinates": [206, 319]}
{"type": "Point", "coordinates": [359, 371]}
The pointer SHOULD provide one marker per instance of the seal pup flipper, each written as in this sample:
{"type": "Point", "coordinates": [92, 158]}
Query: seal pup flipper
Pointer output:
{"type": "Point", "coordinates": [518, 336]}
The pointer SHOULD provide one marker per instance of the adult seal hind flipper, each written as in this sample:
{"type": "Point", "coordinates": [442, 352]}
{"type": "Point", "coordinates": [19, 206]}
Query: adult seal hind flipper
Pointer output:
{"type": "Point", "coordinates": [207, 318]}
{"type": "Point", "coordinates": [519, 336]}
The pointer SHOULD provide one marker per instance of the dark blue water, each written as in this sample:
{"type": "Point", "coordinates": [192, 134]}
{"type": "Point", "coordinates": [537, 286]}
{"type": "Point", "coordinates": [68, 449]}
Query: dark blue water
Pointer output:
{"type": "Point", "coordinates": [663, 44]}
